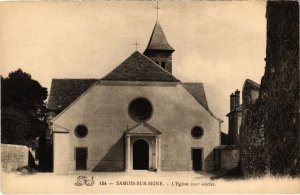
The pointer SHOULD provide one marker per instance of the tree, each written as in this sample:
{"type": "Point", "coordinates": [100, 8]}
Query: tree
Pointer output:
{"type": "Point", "coordinates": [24, 93]}
{"type": "Point", "coordinates": [23, 115]}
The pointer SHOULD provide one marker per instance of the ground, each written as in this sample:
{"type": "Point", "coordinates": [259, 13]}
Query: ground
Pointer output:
{"type": "Point", "coordinates": [140, 182]}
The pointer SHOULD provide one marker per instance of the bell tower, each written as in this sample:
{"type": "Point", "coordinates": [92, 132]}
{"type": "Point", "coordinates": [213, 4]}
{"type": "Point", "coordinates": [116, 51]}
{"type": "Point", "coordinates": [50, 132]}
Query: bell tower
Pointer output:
{"type": "Point", "coordinates": [158, 49]}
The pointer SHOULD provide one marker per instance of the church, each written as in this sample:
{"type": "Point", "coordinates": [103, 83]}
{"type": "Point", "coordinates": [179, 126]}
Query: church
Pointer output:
{"type": "Point", "coordinates": [137, 117]}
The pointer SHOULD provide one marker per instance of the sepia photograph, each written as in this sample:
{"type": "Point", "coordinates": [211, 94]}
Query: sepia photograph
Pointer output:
{"type": "Point", "coordinates": [150, 97]}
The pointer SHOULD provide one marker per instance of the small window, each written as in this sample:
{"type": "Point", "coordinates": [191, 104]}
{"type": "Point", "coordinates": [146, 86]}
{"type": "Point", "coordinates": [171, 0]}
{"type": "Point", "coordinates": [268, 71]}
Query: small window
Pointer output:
{"type": "Point", "coordinates": [81, 131]}
{"type": "Point", "coordinates": [197, 132]}
{"type": "Point", "coordinates": [157, 62]}
{"type": "Point", "coordinates": [163, 65]}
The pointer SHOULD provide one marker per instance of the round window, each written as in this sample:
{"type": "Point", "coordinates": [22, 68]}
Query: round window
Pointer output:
{"type": "Point", "coordinates": [140, 109]}
{"type": "Point", "coordinates": [197, 132]}
{"type": "Point", "coordinates": [81, 131]}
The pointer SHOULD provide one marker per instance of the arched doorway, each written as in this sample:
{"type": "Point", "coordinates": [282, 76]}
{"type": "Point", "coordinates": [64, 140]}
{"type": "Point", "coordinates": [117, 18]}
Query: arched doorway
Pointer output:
{"type": "Point", "coordinates": [140, 155]}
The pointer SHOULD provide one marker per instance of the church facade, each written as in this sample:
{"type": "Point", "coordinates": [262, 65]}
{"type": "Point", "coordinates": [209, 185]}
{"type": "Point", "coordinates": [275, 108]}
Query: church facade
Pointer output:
{"type": "Point", "coordinates": [138, 117]}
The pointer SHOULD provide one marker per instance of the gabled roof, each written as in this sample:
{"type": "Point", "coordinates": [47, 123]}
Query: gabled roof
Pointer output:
{"type": "Point", "coordinates": [143, 129]}
{"type": "Point", "coordinates": [193, 88]}
{"type": "Point", "coordinates": [197, 90]}
{"type": "Point", "coordinates": [139, 67]}
{"type": "Point", "coordinates": [64, 91]}
{"type": "Point", "coordinates": [158, 40]}
{"type": "Point", "coordinates": [251, 83]}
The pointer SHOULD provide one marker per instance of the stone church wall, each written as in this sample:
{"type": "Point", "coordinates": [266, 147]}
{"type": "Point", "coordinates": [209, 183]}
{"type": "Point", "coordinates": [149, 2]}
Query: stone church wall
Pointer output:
{"type": "Point", "coordinates": [104, 110]}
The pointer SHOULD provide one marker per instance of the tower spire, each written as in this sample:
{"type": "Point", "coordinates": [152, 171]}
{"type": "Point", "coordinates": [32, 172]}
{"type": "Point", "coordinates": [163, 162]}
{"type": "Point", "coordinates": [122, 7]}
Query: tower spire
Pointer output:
{"type": "Point", "coordinates": [157, 8]}
{"type": "Point", "coordinates": [158, 48]}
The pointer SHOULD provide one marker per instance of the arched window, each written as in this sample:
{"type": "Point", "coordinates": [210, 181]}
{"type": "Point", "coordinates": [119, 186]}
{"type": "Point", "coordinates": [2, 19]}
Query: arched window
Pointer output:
{"type": "Point", "coordinates": [81, 131]}
{"type": "Point", "coordinates": [197, 132]}
{"type": "Point", "coordinates": [163, 65]}
{"type": "Point", "coordinates": [140, 109]}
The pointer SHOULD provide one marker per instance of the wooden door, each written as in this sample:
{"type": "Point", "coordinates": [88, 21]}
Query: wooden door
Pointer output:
{"type": "Point", "coordinates": [197, 159]}
{"type": "Point", "coordinates": [81, 156]}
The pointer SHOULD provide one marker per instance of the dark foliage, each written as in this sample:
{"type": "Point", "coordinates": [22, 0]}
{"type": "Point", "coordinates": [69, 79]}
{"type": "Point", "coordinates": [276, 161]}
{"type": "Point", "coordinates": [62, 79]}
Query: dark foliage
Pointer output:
{"type": "Point", "coordinates": [270, 135]}
{"type": "Point", "coordinates": [24, 93]}
{"type": "Point", "coordinates": [23, 110]}
{"type": "Point", "coordinates": [252, 140]}
{"type": "Point", "coordinates": [282, 88]}
{"type": "Point", "coordinates": [19, 127]}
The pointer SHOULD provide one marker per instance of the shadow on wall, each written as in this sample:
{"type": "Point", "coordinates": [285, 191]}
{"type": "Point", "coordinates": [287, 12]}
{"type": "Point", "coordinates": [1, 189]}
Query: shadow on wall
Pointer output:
{"type": "Point", "coordinates": [114, 159]}
{"type": "Point", "coordinates": [209, 162]}
{"type": "Point", "coordinates": [31, 168]}
{"type": "Point", "coordinates": [224, 138]}
{"type": "Point", "coordinates": [206, 164]}
{"type": "Point", "coordinates": [31, 161]}
{"type": "Point", "coordinates": [45, 153]}
{"type": "Point", "coordinates": [226, 157]}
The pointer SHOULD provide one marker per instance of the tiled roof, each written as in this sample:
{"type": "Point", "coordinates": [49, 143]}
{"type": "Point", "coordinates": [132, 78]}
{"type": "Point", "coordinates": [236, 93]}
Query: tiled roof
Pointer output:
{"type": "Point", "coordinates": [139, 67]}
{"type": "Point", "coordinates": [64, 91]}
{"type": "Point", "coordinates": [197, 90]}
{"type": "Point", "coordinates": [158, 40]}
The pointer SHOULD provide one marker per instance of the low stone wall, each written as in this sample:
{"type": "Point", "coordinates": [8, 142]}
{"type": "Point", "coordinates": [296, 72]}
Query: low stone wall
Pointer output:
{"type": "Point", "coordinates": [13, 157]}
{"type": "Point", "coordinates": [226, 157]}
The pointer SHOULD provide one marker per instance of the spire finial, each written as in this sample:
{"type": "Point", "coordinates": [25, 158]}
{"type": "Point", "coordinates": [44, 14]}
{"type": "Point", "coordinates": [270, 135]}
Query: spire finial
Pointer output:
{"type": "Point", "coordinates": [157, 8]}
{"type": "Point", "coordinates": [136, 45]}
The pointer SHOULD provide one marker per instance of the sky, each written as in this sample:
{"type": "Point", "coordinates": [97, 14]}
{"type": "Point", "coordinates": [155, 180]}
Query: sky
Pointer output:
{"type": "Point", "coordinates": [219, 43]}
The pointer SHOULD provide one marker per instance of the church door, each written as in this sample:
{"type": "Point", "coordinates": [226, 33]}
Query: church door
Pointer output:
{"type": "Point", "coordinates": [81, 156]}
{"type": "Point", "coordinates": [197, 159]}
{"type": "Point", "coordinates": [140, 155]}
